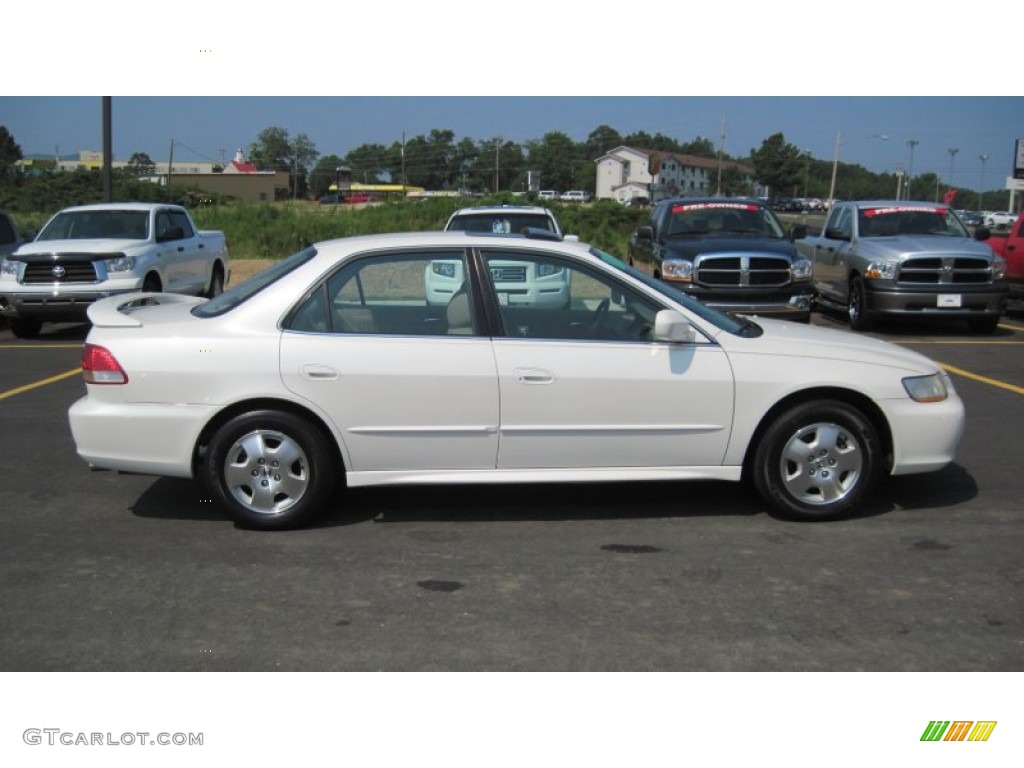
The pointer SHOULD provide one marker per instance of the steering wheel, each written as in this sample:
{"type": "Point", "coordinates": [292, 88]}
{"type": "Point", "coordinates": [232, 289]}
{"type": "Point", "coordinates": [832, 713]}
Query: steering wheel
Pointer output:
{"type": "Point", "coordinates": [598, 317]}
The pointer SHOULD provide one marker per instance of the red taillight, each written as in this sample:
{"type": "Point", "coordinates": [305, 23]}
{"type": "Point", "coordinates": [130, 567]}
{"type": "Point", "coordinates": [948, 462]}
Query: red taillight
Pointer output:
{"type": "Point", "coordinates": [101, 367]}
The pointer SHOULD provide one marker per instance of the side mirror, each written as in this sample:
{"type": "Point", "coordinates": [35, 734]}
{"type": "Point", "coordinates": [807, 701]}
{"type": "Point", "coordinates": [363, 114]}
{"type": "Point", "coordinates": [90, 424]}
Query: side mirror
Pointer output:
{"type": "Point", "coordinates": [645, 233]}
{"type": "Point", "coordinates": [671, 327]}
{"type": "Point", "coordinates": [799, 232]}
{"type": "Point", "coordinates": [836, 234]}
{"type": "Point", "coordinates": [982, 233]}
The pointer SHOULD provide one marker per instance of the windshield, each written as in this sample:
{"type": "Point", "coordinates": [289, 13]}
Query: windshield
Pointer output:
{"type": "Point", "coordinates": [909, 220]}
{"type": "Point", "coordinates": [500, 223]}
{"type": "Point", "coordinates": [97, 225]}
{"type": "Point", "coordinates": [736, 326]}
{"type": "Point", "coordinates": [732, 218]}
{"type": "Point", "coordinates": [245, 290]}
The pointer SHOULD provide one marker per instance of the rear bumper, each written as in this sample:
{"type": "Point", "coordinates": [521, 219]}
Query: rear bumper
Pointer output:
{"type": "Point", "coordinates": [145, 438]}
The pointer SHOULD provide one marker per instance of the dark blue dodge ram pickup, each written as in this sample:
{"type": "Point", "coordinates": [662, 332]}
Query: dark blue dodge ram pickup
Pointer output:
{"type": "Point", "coordinates": [731, 254]}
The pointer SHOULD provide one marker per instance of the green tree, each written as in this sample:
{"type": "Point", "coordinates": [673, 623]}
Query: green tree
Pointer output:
{"type": "Point", "coordinates": [323, 174]}
{"type": "Point", "coordinates": [274, 150]}
{"type": "Point", "coordinates": [368, 162]}
{"type": "Point", "coordinates": [140, 164]}
{"type": "Point", "coordinates": [553, 156]}
{"type": "Point", "coordinates": [602, 139]}
{"type": "Point", "coordinates": [777, 164]}
{"type": "Point", "coordinates": [10, 154]}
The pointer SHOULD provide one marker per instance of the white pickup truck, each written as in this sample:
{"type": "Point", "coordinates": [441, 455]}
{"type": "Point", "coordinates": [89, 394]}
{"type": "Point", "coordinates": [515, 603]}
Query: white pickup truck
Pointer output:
{"type": "Point", "coordinates": [90, 252]}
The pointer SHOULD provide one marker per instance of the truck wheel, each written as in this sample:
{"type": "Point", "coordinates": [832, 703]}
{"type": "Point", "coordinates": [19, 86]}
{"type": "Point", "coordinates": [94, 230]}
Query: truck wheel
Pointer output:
{"type": "Point", "coordinates": [983, 324]}
{"type": "Point", "coordinates": [216, 282]}
{"type": "Point", "coordinates": [817, 461]}
{"type": "Point", "coordinates": [24, 328]}
{"type": "Point", "coordinates": [270, 470]}
{"type": "Point", "coordinates": [856, 310]}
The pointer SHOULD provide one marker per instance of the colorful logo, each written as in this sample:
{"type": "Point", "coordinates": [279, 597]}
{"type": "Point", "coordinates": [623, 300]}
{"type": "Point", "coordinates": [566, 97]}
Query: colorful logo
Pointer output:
{"type": "Point", "coordinates": [959, 730]}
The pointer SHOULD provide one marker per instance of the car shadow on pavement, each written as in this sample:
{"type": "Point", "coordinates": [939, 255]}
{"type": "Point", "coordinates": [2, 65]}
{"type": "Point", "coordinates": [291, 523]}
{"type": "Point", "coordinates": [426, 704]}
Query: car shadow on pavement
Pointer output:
{"type": "Point", "coordinates": [179, 499]}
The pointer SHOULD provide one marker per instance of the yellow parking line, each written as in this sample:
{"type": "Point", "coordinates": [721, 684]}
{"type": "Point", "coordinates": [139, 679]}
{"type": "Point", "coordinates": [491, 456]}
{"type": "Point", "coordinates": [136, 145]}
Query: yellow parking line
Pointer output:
{"type": "Point", "coordinates": [42, 383]}
{"type": "Point", "coordinates": [969, 342]}
{"type": "Point", "coordinates": [984, 379]}
{"type": "Point", "coordinates": [1011, 327]}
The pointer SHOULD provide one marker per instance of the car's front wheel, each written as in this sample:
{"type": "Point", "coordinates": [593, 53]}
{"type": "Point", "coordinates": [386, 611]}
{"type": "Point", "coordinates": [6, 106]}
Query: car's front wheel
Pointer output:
{"type": "Point", "coordinates": [817, 461]}
{"type": "Point", "coordinates": [270, 470]}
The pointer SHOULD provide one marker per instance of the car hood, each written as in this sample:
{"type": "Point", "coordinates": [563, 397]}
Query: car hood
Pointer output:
{"type": "Point", "coordinates": [905, 246]}
{"type": "Point", "coordinates": [689, 247]}
{"type": "Point", "coordinates": [103, 246]}
{"type": "Point", "coordinates": [791, 339]}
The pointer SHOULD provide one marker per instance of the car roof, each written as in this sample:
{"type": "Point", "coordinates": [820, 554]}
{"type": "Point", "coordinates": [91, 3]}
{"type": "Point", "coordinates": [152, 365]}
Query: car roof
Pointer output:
{"type": "Point", "coordinates": [452, 239]}
{"type": "Point", "coordinates": [488, 209]}
{"type": "Point", "coordinates": [896, 204]}
{"type": "Point", "coordinates": [713, 201]}
{"type": "Point", "coordinates": [120, 207]}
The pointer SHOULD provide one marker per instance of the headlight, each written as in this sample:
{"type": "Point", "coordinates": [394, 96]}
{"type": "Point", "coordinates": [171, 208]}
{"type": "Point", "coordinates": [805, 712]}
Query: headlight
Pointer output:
{"type": "Point", "coordinates": [676, 269]}
{"type": "Point", "coordinates": [998, 268]}
{"type": "Point", "coordinates": [8, 267]}
{"type": "Point", "coordinates": [881, 270]}
{"type": "Point", "coordinates": [546, 270]}
{"type": "Point", "coordinates": [444, 268]}
{"type": "Point", "coordinates": [120, 264]}
{"type": "Point", "coordinates": [802, 270]}
{"type": "Point", "coordinates": [927, 389]}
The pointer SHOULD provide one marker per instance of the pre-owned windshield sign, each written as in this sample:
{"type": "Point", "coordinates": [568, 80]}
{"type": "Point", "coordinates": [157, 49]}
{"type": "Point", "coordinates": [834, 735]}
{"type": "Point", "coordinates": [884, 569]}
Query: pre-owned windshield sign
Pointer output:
{"type": "Point", "coordinates": [903, 209]}
{"type": "Point", "coordinates": [704, 206]}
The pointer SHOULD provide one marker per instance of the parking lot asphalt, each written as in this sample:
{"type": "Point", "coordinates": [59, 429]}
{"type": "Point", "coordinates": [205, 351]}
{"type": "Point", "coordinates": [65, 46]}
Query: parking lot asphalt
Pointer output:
{"type": "Point", "coordinates": [100, 571]}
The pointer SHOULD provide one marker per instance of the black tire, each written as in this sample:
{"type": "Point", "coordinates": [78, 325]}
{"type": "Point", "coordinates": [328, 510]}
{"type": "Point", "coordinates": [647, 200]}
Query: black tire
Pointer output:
{"type": "Point", "coordinates": [270, 470]}
{"type": "Point", "coordinates": [983, 324]}
{"type": "Point", "coordinates": [25, 328]}
{"type": "Point", "coordinates": [152, 283]}
{"type": "Point", "coordinates": [817, 461]}
{"type": "Point", "coordinates": [216, 282]}
{"type": "Point", "coordinates": [856, 308]}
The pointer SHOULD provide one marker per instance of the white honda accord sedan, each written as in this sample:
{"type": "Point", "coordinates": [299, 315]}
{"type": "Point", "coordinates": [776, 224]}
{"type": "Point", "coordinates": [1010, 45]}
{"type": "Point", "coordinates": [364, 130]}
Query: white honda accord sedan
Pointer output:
{"type": "Point", "coordinates": [333, 367]}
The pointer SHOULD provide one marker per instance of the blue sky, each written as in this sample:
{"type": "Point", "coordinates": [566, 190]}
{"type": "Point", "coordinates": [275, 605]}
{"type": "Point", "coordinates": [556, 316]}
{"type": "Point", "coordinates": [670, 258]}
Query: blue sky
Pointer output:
{"type": "Point", "coordinates": [210, 78]}
{"type": "Point", "coordinates": [214, 127]}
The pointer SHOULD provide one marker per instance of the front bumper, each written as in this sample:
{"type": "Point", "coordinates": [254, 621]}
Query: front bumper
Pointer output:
{"type": "Point", "coordinates": [66, 306]}
{"type": "Point", "coordinates": [936, 304]}
{"type": "Point", "coordinates": [791, 303]}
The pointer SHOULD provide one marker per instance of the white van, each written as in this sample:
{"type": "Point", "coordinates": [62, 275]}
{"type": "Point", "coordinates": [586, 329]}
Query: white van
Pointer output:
{"type": "Point", "coordinates": [547, 194]}
{"type": "Point", "coordinates": [575, 196]}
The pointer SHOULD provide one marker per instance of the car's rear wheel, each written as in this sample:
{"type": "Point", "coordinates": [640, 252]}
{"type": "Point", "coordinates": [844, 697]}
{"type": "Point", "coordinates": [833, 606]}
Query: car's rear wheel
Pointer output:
{"type": "Point", "coordinates": [270, 469]}
{"type": "Point", "coordinates": [817, 461]}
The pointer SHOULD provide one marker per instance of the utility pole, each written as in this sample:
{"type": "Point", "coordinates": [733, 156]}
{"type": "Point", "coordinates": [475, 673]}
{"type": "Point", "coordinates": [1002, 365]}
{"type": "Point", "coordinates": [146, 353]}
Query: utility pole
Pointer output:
{"type": "Point", "coordinates": [721, 150]}
{"type": "Point", "coordinates": [108, 154]}
{"type": "Point", "coordinates": [170, 164]}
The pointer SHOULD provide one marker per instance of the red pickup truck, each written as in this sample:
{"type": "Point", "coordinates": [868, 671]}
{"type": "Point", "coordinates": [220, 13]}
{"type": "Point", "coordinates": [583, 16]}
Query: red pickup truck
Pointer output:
{"type": "Point", "coordinates": [1010, 245]}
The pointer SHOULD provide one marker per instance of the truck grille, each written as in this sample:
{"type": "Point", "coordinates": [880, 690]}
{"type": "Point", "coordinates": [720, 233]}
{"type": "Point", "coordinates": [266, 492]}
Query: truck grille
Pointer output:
{"type": "Point", "coordinates": [742, 270]}
{"type": "Point", "coordinates": [509, 274]}
{"type": "Point", "coordinates": [60, 272]}
{"type": "Point", "coordinates": [935, 270]}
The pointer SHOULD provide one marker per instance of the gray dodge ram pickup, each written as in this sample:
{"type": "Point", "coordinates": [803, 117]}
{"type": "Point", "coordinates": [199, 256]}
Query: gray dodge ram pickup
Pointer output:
{"type": "Point", "coordinates": [905, 259]}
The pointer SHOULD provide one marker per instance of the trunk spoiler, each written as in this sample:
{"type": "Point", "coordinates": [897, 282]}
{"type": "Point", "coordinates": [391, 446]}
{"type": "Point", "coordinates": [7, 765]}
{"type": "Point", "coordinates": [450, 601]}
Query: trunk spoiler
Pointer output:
{"type": "Point", "coordinates": [116, 311]}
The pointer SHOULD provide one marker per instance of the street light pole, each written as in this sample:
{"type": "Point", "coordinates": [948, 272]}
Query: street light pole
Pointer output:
{"type": "Point", "coordinates": [910, 166]}
{"type": "Point", "coordinates": [981, 186]}
{"type": "Point", "coordinates": [835, 168]}
{"type": "Point", "coordinates": [952, 154]}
